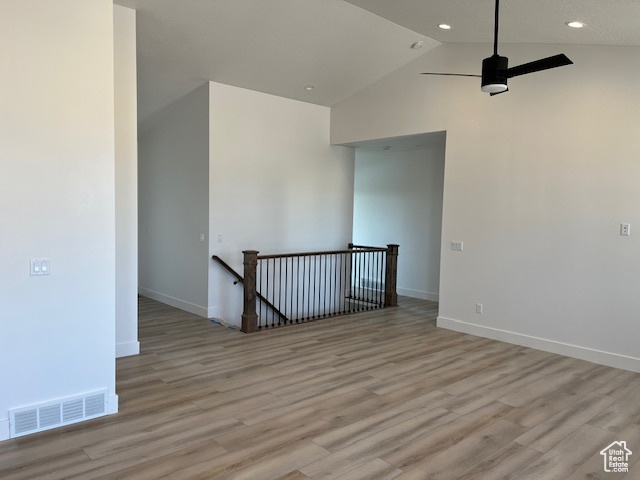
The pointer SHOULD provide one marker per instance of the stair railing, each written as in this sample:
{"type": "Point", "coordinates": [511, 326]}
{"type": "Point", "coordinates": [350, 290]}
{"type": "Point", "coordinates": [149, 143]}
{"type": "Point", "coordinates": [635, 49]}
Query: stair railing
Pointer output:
{"type": "Point", "coordinates": [283, 289]}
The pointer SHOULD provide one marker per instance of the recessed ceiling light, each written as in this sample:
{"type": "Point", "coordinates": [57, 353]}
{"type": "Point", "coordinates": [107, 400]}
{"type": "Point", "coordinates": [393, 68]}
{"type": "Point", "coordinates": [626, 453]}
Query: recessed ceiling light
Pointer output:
{"type": "Point", "coordinates": [575, 24]}
{"type": "Point", "coordinates": [444, 26]}
{"type": "Point", "coordinates": [308, 88]}
{"type": "Point", "coordinates": [417, 45]}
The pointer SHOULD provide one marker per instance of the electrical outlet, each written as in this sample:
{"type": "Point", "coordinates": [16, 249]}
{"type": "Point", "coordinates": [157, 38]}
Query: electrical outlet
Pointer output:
{"type": "Point", "coordinates": [457, 245]}
{"type": "Point", "coordinates": [625, 229]}
{"type": "Point", "coordinates": [219, 238]}
{"type": "Point", "coordinates": [479, 308]}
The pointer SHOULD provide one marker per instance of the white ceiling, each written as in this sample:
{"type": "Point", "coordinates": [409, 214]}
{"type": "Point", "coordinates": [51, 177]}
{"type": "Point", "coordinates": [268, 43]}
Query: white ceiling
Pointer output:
{"type": "Point", "coordinates": [614, 22]}
{"type": "Point", "coordinates": [280, 46]}
{"type": "Point", "coordinates": [401, 144]}
{"type": "Point", "coordinates": [273, 46]}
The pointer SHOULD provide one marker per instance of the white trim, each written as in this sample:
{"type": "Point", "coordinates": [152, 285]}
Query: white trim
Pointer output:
{"type": "Point", "coordinates": [112, 405]}
{"type": "Point", "coordinates": [407, 292]}
{"type": "Point", "coordinates": [5, 431]}
{"type": "Point", "coordinates": [583, 353]}
{"type": "Point", "coordinates": [175, 302]}
{"type": "Point", "coordinates": [127, 349]}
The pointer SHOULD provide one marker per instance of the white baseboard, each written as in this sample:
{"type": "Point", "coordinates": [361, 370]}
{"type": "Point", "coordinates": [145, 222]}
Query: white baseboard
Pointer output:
{"type": "Point", "coordinates": [407, 292]}
{"type": "Point", "coordinates": [175, 302]}
{"type": "Point", "coordinates": [5, 431]}
{"type": "Point", "coordinates": [113, 404]}
{"type": "Point", "coordinates": [583, 353]}
{"type": "Point", "coordinates": [127, 349]}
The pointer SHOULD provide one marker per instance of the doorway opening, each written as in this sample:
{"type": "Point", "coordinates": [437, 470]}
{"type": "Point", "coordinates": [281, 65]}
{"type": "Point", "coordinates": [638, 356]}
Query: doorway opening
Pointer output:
{"type": "Point", "coordinates": [398, 190]}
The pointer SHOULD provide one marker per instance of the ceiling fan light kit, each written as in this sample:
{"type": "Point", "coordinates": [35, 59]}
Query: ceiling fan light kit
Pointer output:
{"type": "Point", "coordinates": [494, 74]}
{"type": "Point", "coordinates": [496, 71]}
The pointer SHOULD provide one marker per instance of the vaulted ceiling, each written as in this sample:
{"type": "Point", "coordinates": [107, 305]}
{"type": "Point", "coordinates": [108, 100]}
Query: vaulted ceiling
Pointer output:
{"type": "Point", "coordinates": [338, 46]}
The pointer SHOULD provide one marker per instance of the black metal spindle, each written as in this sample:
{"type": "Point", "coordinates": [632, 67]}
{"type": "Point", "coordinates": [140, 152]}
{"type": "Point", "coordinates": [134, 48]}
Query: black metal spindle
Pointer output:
{"type": "Point", "coordinates": [382, 262]}
{"type": "Point", "coordinates": [297, 287]}
{"type": "Point", "coordinates": [339, 284]}
{"type": "Point", "coordinates": [304, 264]}
{"type": "Point", "coordinates": [291, 291]}
{"type": "Point", "coordinates": [318, 312]}
{"type": "Point", "coordinates": [359, 280]}
{"type": "Point", "coordinates": [378, 286]}
{"type": "Point", "coordinates": [369, 280]}
{"type": "Point", "coordinates": [335, 282]}
{"type": "Point", "coordinates": [273, 293]}
{"type": "Point", "coordinates": [286, 278]}
{"type": "Point", "coordinates": [324, 291]}
{"type": "Point", "coordinates": [260, 292]}
{"type": "Point", "coordinates": [315, 272]}
{"type": "Point", "coordinates": [330, 293]}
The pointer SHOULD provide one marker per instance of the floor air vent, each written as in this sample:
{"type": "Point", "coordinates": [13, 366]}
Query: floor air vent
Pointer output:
{"type": "Point", "coordinates": [65, 411]}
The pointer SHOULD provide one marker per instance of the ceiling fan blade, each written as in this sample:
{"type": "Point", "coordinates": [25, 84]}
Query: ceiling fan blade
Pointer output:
{"type": "Point", "coordinates": [498, 93]}
{"type": "Point", "coordinates": [539, 65]}
{"type": "Point", "coordinates": [452, 74]}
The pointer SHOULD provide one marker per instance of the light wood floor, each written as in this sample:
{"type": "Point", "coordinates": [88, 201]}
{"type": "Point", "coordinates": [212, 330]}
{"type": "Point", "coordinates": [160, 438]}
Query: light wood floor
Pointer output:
{"type": "Point", "coordinates": [378, 395]}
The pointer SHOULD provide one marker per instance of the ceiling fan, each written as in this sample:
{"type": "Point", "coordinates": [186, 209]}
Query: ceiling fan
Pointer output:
{"type": "Point", "coordinates": [496, 71]}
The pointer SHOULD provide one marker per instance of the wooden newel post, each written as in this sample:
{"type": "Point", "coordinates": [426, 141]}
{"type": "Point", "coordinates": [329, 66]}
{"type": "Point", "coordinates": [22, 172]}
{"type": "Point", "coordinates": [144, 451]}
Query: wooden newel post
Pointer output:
{"type": "Point", "coordinates": [249, 315]}
{"type": "Point", "coordinates": [391, 277]}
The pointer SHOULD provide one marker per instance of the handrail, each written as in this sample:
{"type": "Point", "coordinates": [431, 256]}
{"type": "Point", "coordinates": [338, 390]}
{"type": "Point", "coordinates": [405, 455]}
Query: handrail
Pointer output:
{"type": "Point", "coordinates": [239, 278]}
{"type": "Point", "coordinates": [226, 266]}
{"type": "Point", "coordinates": [365, 247]}
{"type": "Point", "coordinates": [324, 252]}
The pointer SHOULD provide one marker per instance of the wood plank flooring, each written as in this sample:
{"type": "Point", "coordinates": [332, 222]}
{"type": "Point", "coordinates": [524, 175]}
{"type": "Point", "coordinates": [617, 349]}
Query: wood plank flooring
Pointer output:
{"type": "Point", "coordinates": [379, 395]}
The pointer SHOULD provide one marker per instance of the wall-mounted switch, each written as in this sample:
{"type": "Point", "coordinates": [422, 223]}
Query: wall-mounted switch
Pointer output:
{"type": "Point", "coordinates": [40, 266]}
{"type": "Point", "coordinates": [457, 245]}
{"type": "Point", "coordinates": [625, 229]}
{"type": "Point", "coordinates": [202, 237]}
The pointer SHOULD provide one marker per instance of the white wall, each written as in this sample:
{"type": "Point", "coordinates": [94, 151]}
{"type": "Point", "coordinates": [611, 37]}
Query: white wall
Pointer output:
{"type": "Point", "coordinates": [537, 181]}
{"type": "Point", "coordinates": [126, 178]}
{"type": "Point", "coordinates": [276, 184]}
{"type": "Point", "coordinates": [57, 191]}
{"type": "Point", "coordinates": [174, 204]}
{"type": "Point", "coordinates": [398, 199]}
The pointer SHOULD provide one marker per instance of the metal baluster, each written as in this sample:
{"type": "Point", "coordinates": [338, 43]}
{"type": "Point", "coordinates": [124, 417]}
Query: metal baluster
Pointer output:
{"type": "Point", "coordinates": [339, 281]}
{"type": "Point", "coordinates": [352, 281]}
{"type": "Point", "coordinates": [286, 282]}
{"type": "Point", "coordinates": [315, 272]}
{"type": "Point", "coordinates": [324, 291]}
{"type": "Point", "coordinates": [319, 313]}
{"type": "Point", "coordinates": [280, 292]}
{"type": "Point", "coordinates": [360, 295]}
{"type": "Point", "coordinates": [273, 293]}
{"type": "Point", "coordinates": [370, 282]}
{"type": "Point", "coordinates": [334, 265]}
{"type": "Point", "coordinates": [304, 275]}
{"type": "Point", "coordinates": [291, 291]}
{"type": "Point", "coordinates": [378, 286]}
{"type": "Point", "coordinates": [383, 260]}
{"type": "Point", "coordinates": [260, 291]}
{"type": "Point", "coordinates": [297, 289]}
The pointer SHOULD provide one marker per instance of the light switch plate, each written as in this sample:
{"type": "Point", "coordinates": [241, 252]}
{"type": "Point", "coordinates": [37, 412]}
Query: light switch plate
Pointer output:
{"type": "Point", "coordinates": [40, 267]}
